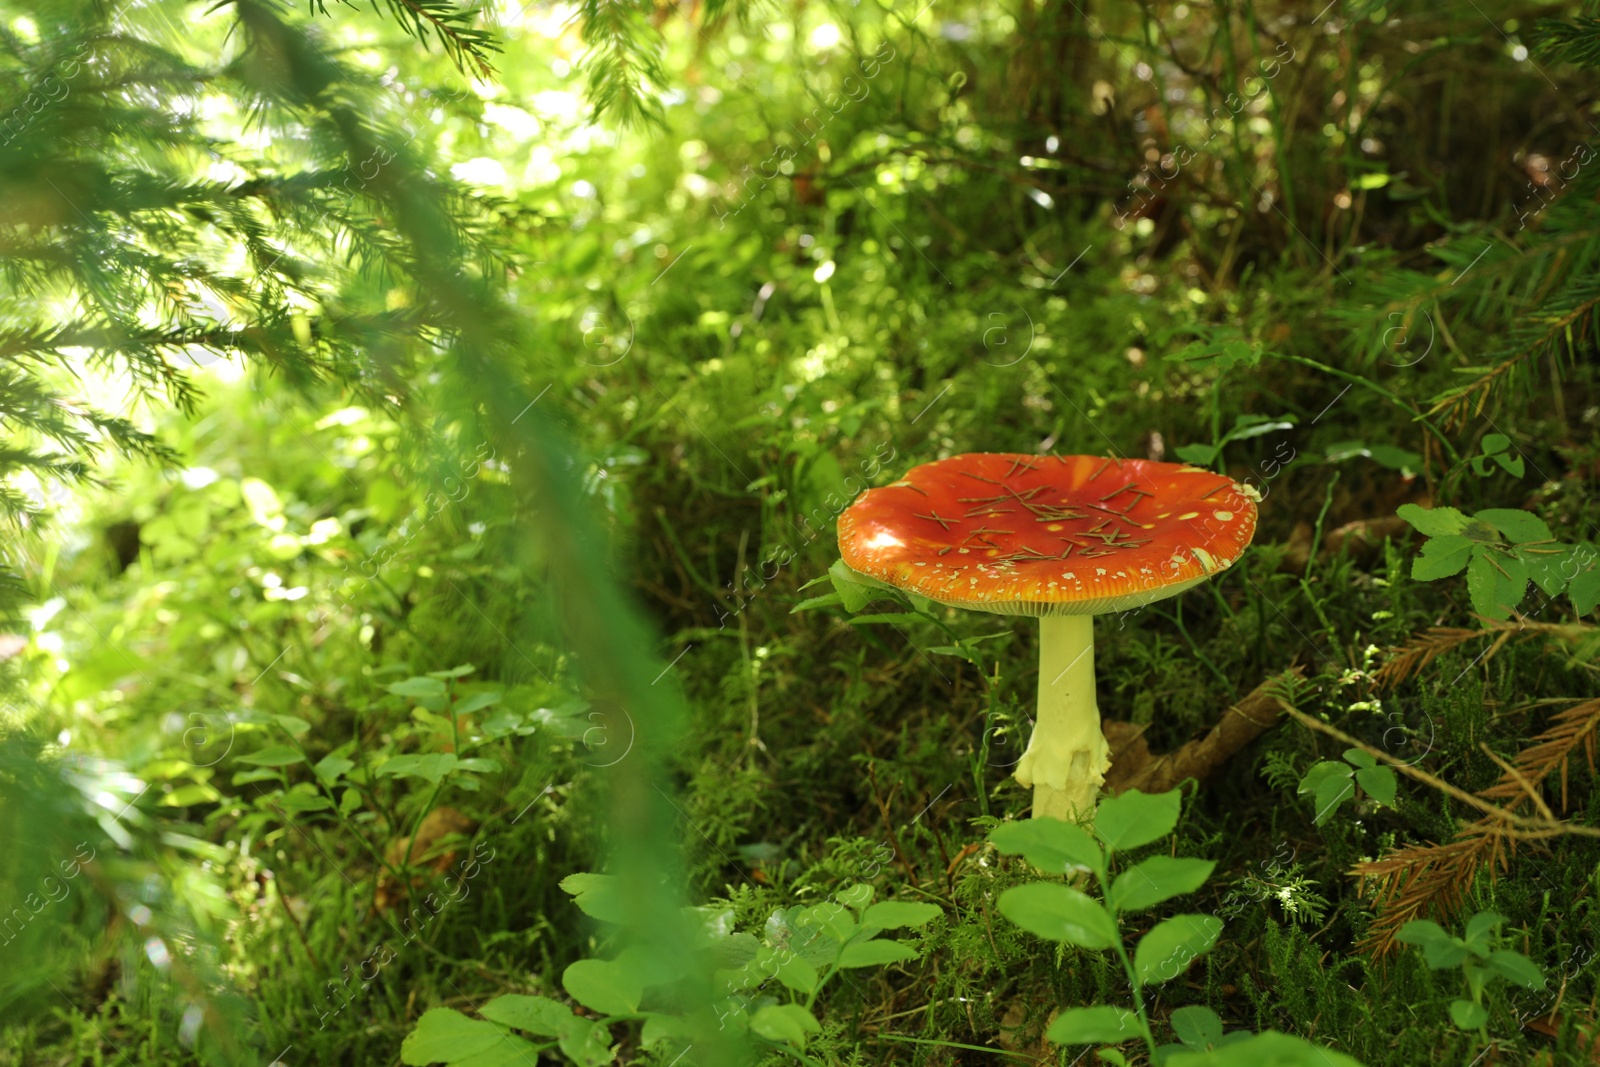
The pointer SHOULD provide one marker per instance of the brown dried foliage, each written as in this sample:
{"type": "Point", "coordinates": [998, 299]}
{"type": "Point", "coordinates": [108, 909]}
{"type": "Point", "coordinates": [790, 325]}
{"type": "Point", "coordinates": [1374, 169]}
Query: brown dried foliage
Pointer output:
{"type": "Point", "coordinates": [1433, 878]}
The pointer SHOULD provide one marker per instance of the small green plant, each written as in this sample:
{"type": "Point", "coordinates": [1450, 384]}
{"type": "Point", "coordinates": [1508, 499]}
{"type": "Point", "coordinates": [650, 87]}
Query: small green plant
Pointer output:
{"type": "Point", "coordinates": [1502, 549]}
{"type": "Point", "coordinates": [1481, 962]}
{"type": "Point", "coordinates": [1061, 912]}
{"type": "Point", "coordinates": [1497, 448]}
{"type": "Point", "coordinates": [800, 950]}
{"type": "Point", "coordinates": [1331, 782]}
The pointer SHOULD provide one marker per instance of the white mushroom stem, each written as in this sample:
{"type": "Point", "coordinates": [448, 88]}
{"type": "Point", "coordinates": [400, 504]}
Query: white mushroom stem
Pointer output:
{"type": "Point", "coordinates": [1067, 757]}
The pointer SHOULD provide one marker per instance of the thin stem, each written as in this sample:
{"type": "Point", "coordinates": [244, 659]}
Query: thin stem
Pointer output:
{"type": "Point", "coordinates": [1127, 965]}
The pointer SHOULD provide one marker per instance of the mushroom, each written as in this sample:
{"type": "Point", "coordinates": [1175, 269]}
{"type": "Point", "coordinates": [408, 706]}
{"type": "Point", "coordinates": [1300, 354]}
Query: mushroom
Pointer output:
{"type": "Point", "coordinates": [1065, 538]}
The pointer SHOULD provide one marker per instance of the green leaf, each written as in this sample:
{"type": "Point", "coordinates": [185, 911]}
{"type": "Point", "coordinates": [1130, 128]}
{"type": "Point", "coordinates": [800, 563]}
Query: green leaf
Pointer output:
{"type": "Point", "coordinates": [596, 895]}
{"type": "Point", "coordinates": [1395, 458]}
{"type": "Point", "coordinates": [604, 986]}
{"type": "Point", "coordinates": [1158, 878]}
{"type": "Point", "coordinates": [893, 914]}
{"type": "Point", "coordinates": [1547, 566]}
{"type": "Point", "coordinates": [513, 1051]}
{"type": "Point", "coordinates": [1331, 792]}
{"type": "Point", "coordinates": [788, 1023]}
{"type": "Point", "coordinates": [1519, 527]}
{"type": "Point", "coordinates": [1515, 967]}
{"type": "Point", "coordinates": [1199, 455]}
{"type": "Point", "coordinates": [1512, 465]}
{"type": "Point", "coordinates": [1441, 557]}
{"type": "Point", "coordinates": [444, 1035]}
{"type": "Point", "coordinates": [1320, 772]}
{"type": "Point", "coordinates": [1197, 1026]}
{"type": "Point", "coordinates": [274, 756]}
{"type": "Point", "coordinates": [293, 725]}
{"type": "Point", "coordinates": [1435, 522]}
{"type": "Point", "coordinates": [1059, 913]}
{"type": "Point", "coordinates": [433, 766]}
{"type": "Point", "coordinates": [418, 688]}
{"type": "Point", "coordinates": [1329, 784]}
{"type": "Point", "coordinates": [331, 768]}
{"type": "Point", "coordinates": [1358, 758]}
{"type": "Point", "coordinates": [1266, 1049]}
{"type": "Point", "coordinates": [1467, 1015]}
{"type": "Point", "coordinates": [297, 803]}
{"type": "Point", "coordinates": [810, 603]}
{"type": "Point", "coordinates": [1247, 426]}
{"type": "Point", "coordinates": [875, 953]}
{"type": "Point", "coordinates": [1585, 590]}
{"type": "Point", "coordinates": [585, 1042]}
{"type": "Point", "coordinates": [1439, 948]}
{"type": "Point", "coordinates": [795, 973]}
{"type": "Point", "coordinates": [856, 896]}
{"type": "Point", "coordinates": [1168, 950]}
{"type": "Point", "coordinates": [1092, 1026]}
{"type": "Point", "coordinates": [1380, 784]}
{"type": "Point", "coordinates": [1481, 927]}
{"type": "Point", "coordinates": [477, 702]}
{"type": "Point", "coordinates": [536, 1015]}
{"type": "Point", "coordinates": [1049, 844]}
{"type": "Point", "coordinates": [454, 672]}
{"type": "Point", "coordinates": [1134, 818]}
{"type": "Point", "coordinates": [658, 1027]}
{"type": "Point", "coordinates": [193, 793]}
{"type": "Point", "coordinates": [833, 919]}
{"type": "Point", "coordinates": [1495, 442]}
{"type": "Point", "coordinates": [848, 585]}
{"type": "Point", "coordinates": [1496, 583]}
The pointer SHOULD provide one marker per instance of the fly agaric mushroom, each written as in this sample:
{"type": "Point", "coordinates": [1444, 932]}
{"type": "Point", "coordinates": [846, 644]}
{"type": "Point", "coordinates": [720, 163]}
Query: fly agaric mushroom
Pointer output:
{"type": "Point", "coordinates": [1065, 538]}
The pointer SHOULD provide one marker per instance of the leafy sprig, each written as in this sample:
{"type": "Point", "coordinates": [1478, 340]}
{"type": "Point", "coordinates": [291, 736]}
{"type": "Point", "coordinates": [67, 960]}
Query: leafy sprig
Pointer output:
{"type": "Point", "coordinates": [1059, 911]}
{"type": "Point", "coordinates": [1330, 783]}
{"type": "Point", "coordinates": [1480, 960]}
{"type": "Point", "coordinates": [801, 949]}
{"type": "Point", "coordinates": [1502, 550]}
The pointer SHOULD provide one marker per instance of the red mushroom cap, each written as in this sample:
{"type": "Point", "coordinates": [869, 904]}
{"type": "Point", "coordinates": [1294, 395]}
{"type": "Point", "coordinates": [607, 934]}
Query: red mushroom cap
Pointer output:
{"type": "Point", "coordinates": [1048, 535]}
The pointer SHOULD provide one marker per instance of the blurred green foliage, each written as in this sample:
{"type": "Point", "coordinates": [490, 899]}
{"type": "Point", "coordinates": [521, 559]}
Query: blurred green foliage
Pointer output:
{"type": "Point", "coordinates": [411, 472]}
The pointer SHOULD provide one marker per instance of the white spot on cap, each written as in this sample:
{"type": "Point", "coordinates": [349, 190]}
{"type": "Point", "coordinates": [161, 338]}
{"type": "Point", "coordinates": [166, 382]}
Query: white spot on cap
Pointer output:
{"type": "Point", "coordinates": [1189, 515]}
{"type": "Point", "coordinates": [1223, 516]}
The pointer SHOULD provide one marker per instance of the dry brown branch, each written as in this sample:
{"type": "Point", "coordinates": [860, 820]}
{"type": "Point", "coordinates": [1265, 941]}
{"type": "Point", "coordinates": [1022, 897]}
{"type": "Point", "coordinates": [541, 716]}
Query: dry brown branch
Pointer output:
{"type": "Point", "coordinates": [1421, 650]}
{"type": "Point", "coordinates": [1432, 879]}
{"type": "Point", "coordinates": [1525, 785]}
{"type": "Point", "coordinates": [1133, 767]}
